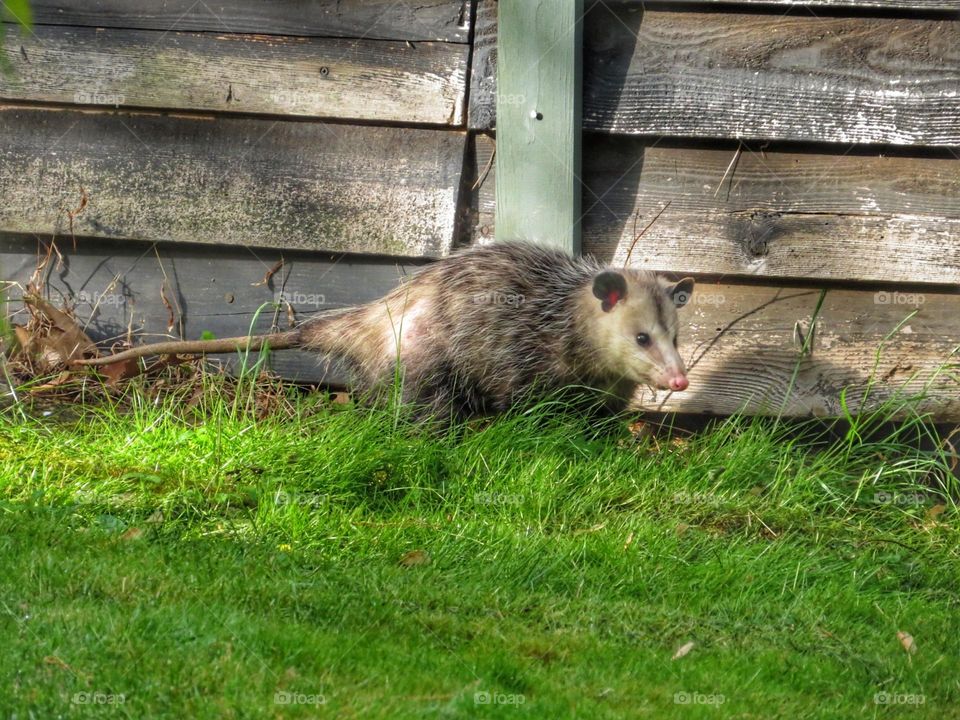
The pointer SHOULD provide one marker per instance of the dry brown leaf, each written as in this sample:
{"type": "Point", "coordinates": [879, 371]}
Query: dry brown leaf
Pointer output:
{"type": "Point", "coordinates": [906, 639]}
{"type": "Point", "coordinates": [63, 342]}
{"type": "Point", "coordinates": [683, 650]}
{"type": "Point", "coordinates": [415, 558]}
{"type": "Point", "coordinates": [950, 444]}
{"type": "Point", "coordinates": [59, 380]}
{"type": "Point", "coordinates": [133, 533]}
{"type": "Point", "coordinates": [24, 337]}
{"type": "Point", "coordinates": [269, 274]}
{"type": "Point", "coordinates": [119, 371]}
{"type": "Point", "coordinates": [54, 660]}
{"type": "Point", "coordinates": [171, 317]}
{"type": "Point", "coordinates": [935, 512]}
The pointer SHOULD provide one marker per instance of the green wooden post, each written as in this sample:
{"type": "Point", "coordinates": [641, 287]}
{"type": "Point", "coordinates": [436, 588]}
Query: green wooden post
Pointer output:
{"type": "Point", "coordinates": [539, 94]}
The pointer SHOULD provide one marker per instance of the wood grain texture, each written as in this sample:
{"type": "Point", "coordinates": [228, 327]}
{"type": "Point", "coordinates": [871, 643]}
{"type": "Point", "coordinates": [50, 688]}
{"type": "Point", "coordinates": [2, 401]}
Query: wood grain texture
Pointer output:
{"type": "Point", "coordinates": [116, 285]}
{"type": "Point", "coordinates": [230, 181]}
{"type": "Point", "coordinates": [443, 20]}
{"type": "Point", "coordinates": [539, 133]}
{"type": "Point", "coordinates": [739, 341]}
{"type": "Point", "coordinates": [768, 77]}
{"type": "Point", "coordinates": [318, 77]}
{"type": "Point", "coordinates": [777, 213]}
{"type": "Point", "coordinates": [482, 113]}
{"type": "Point", "coordinates": [741, 346]}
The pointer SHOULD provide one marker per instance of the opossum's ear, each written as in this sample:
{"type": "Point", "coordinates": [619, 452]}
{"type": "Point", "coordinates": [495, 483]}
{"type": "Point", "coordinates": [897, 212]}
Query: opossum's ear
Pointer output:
{"type": "Point", "coordinates": [609, 287]}
{"type": "Point", "coordinates": [680, 291]}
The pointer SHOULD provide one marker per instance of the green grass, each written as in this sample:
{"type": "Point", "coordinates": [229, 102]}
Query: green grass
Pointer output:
{"type": "Point", "coordinates": [197, 563]}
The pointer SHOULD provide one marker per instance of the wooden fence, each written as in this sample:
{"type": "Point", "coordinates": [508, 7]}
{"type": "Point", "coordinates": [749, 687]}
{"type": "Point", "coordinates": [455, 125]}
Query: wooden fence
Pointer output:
{"type": "Point", "coordinates": [791, 148]}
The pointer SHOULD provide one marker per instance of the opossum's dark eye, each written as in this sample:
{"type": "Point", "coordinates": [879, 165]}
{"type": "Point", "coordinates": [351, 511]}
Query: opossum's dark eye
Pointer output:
{"type": "Point", "coordinates": [643, 339]}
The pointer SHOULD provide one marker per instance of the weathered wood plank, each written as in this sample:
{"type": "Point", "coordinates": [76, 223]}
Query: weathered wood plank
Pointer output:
{"type": "Point", "coordinates": [319, 77]}
{"type": "Point", "coordinates": [116, 285]}
{"type": "Point", "coordinates": [230, 181]}
{"type": "Point", "coordinates": [540, 49]}
{"type": "Point", "coordinates": [742, 347]}
{"type": "Point", "coordinates": [443, 20]}
{"type": "Point", "coordinates": [775, 214]}
{"type": "Point", "coordinates": [739, 341]}
{"type": "Point", "coordinates": [769, 77]}
{"type": "Point", "coordinates": [780, 213]}
{"type": "Point", "coordinates": [482, 112]}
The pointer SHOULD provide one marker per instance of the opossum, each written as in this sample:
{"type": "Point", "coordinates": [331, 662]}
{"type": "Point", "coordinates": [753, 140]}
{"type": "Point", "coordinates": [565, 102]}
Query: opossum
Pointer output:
{"type": "Point", "coordinates": [487, 326]}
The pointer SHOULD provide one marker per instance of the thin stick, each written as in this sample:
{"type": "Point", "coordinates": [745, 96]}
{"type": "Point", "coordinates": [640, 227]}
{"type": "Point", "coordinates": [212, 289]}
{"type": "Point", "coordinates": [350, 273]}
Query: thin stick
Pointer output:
{"type": "Point", "coordinates": [649, 225]}
{"type": "Point", "coordinates": [736, 156]}
{"type": "Point", "coordinates": [486, 170]}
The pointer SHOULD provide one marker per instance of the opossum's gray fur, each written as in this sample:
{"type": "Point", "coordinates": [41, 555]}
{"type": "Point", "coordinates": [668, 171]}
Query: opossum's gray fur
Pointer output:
{"type": "Point", "coordinates": [479, 330]}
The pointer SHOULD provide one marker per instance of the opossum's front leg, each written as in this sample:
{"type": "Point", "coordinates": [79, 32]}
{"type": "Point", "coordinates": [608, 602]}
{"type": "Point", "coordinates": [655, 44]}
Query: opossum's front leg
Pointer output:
{"type": "Point", "coordinates": [439, 391]}
{"type": "Point", "coordinates": [618, 395]}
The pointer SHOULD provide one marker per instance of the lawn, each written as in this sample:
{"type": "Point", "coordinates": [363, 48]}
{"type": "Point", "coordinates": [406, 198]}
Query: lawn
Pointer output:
{"type": "Point", "coordinates": [167, 559]}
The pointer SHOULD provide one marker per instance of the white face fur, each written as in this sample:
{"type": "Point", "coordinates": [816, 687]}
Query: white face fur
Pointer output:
{"type": "Point", "coordinates": [633, 325]}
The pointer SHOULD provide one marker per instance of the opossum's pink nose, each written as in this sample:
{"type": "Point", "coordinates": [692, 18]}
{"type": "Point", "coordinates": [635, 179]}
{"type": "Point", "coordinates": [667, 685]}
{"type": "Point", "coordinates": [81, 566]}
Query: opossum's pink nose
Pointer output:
{"type": "Point", "coordinates": [679, 383]}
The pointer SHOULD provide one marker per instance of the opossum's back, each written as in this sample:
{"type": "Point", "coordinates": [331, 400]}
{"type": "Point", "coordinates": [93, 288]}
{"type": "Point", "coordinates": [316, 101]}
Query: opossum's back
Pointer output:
{"type": "Point", "coordinates": [505, 310]}
{"type": "Point", "coordinates": [507, 266]}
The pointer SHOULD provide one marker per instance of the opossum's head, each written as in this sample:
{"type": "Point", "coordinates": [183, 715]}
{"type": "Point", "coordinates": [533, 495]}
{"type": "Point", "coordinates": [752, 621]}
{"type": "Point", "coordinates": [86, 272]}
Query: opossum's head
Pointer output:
{"type": "Point", "coordinates": [632, 322]}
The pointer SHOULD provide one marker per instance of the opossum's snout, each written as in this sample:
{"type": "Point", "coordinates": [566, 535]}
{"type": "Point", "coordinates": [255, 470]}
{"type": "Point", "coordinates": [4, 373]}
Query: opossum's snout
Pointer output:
{"type": "Point", "coordinates": [675, 380]}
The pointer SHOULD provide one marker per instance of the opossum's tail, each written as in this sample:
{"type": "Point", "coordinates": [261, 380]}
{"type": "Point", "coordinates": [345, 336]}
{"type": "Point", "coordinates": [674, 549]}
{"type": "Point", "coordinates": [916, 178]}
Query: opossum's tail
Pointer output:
{"type": "Point", "coordinates": [254, 343]}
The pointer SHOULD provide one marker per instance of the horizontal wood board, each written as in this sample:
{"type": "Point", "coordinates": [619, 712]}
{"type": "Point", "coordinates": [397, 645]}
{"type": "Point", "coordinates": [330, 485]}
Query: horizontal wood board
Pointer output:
{"type": "Point", "coordinates": [318, 77]}
{"type": "Point", "coordinates": [443, 20]}
{"type": "Point", "coordinates": [739, 341]}
{"type": "Point", "coordinates": [116, 286]}
{"type": "Point", "coordinates": [230, 181]}
{"type": "Point", "coordinates": [772, 213]}
{"type": "Point", "coordinates": [795, 77]}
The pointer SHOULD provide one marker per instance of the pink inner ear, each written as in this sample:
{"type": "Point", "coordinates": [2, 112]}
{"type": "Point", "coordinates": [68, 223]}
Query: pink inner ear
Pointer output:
{"type": "Point", "coordinates": [613, 298]}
